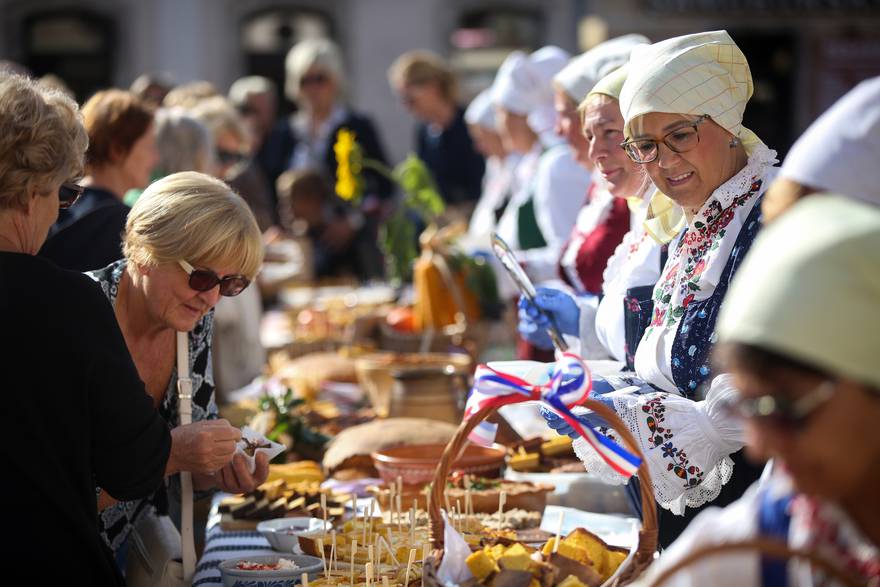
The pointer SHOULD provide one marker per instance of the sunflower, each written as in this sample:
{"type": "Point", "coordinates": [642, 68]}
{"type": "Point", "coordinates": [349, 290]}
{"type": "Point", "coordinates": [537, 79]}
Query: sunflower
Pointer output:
{"type": "Point", "coordinates": [348, 165]}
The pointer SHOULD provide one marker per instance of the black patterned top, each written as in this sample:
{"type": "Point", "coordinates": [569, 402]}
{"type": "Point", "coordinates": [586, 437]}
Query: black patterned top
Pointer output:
{"type": "Point", "coordinates": [116, 522]}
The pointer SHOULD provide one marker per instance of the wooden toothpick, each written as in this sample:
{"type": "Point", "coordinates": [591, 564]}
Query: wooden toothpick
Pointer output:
{"type": "Point", "coordinates": [409, 564]}
{"type": "Point", "coordinates": [354, 548]}
{"type": "Point", "coordinates": [323, 558]}
{"type": "Point", "coordinates": [558, 531]}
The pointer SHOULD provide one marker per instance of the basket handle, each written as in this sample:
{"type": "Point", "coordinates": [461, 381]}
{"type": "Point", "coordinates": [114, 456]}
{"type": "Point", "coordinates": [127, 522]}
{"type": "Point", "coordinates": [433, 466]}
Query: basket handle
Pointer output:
{"type": "Point", "coordinates": [647, 535]}
{"type": "Point", "coordinates": [771, 547]}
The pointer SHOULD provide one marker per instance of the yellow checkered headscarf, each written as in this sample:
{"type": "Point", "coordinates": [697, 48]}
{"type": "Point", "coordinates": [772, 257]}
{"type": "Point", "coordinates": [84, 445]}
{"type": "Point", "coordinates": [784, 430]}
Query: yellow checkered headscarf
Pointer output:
{"type": "Point", "coordinates": [704, 73]}
{"type": "Point", "coordinates": [612, 83]}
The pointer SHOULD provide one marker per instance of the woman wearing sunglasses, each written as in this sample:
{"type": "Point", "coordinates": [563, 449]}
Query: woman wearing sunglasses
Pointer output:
{"type": "Point", "coordinates": [78, 411]}
{"type": "Point", "coordinates": [188, 241]}
{"type": "Point", "coordinates": [809, 395]}
{"type": "Point", "coordinates": [682, 105]}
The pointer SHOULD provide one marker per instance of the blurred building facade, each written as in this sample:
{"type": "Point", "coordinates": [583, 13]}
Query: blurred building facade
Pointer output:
{"type": "Point", "coordinates": [803, 53]}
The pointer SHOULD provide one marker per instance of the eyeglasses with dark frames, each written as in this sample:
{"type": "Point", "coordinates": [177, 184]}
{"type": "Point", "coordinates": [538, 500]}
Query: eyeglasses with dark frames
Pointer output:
{"type": "Point", "coordinates": [680, 140]}
{"type": "Point", "coordinates": [206, 280]}
{"type": "Point", "coordinates": [780, 412]}
{"type": "Point", "coordinates": [68, 194]}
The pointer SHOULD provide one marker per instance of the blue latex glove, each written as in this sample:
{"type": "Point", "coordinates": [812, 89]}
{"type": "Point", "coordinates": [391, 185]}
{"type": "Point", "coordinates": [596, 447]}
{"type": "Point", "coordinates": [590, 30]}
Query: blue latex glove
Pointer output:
{"type": "Point", "coordinates": [556, 422]}
{"type": "Point", "coordinates": [558, 308]}
{"type": "Point", "coordinates": [528, 326]}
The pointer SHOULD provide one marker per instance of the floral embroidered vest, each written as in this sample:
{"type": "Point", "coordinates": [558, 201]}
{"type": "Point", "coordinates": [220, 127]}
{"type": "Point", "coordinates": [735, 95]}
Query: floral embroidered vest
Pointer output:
{"type": "Point", "coordinates": [696, 330]}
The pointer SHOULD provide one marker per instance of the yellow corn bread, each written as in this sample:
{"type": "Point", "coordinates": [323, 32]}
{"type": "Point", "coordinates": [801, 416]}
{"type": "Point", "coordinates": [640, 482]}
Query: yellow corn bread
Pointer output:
{"type": "Point", "coordinates": [292, 473]}
{"type": "Point", "coordinates": [525, 461]}
{"type": "Point", "coordinates": [516, 558]}
{"type": "Point", "coordinates": [482, 565]}
{"type": "Point", "coordinates": [570, 581]}
{"type": "Point", "coordinates": [569, 550]}
{"type": "Point", "coordinates": [556, 446]}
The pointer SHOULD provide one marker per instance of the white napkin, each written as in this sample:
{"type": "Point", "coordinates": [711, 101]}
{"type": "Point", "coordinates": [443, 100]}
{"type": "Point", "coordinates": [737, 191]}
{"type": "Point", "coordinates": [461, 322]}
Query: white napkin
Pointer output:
{"type": "Point", "coordinates": [453, 570]}
{"type": "Point", "coordinates": [271, 449]}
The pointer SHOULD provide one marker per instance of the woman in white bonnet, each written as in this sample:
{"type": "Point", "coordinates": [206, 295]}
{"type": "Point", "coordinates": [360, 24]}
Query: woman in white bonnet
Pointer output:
{"type": "Point", "coordinates": [682, 105]}
{"type": "Point", "coordinates": [551, 185]}
{"type": "Point", "coordinates": [809, 397]}
{"type": "Point", "coordinates": [498, 181]}
{"type": "Point", "coordinates": [837, 153]}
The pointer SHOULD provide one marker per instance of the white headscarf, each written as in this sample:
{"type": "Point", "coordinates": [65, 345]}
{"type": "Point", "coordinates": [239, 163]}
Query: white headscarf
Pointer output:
{"type": "Point", "coordinates": [523, 86]}
{"type": "Point", "coordinates": [704, 73]}
{"type": "Point", "coordinates": [810, 286]}
{"type": "Point", "coordinates": [585, 70]}
{"type": "Point", "coordinates": [481, 111]}
{"type": "Point", "coordinates": [840, 152]}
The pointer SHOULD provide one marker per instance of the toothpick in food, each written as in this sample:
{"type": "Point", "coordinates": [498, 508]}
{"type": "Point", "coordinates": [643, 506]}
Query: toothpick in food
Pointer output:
{"type": "Point", "coordinates": [558, 532]}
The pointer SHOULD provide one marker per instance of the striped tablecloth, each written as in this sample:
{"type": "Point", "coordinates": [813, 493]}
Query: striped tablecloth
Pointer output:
{"type": "Point", "coordinates": [221, 545]}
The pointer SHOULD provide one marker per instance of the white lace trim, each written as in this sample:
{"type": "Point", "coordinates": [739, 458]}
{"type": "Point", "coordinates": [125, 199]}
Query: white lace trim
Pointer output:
{"type": "Point", "coordinates": [674, 501]}
{"type": "Point", "coordinates": [683, 419]}
{"type": "Point", "coordinates": [760, 159]}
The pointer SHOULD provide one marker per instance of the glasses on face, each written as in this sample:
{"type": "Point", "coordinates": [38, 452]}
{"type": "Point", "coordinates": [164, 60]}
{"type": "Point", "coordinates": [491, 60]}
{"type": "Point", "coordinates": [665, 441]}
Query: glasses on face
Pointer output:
{"type": "Point", "coordinates": [680, 140]}
{"type": "Point", "coordinates": [68, 193]}
{"type": "Point", "coordinates": [313, 79]}
{"type": "Point", "coordinates": [789, 414]}
{"type": "Point", "coordinates": [229, 157]}
{"type": "Point", "coordinates": [206, 280]}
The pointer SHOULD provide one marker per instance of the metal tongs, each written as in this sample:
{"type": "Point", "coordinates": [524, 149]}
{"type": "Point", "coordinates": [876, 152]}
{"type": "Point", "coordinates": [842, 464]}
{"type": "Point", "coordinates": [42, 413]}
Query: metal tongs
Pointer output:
{"type": "Point", "coordinates": [524, 284]}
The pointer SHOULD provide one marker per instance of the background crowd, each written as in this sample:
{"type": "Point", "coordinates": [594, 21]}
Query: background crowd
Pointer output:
{"type": "Point", "coordinates": [624, 180]}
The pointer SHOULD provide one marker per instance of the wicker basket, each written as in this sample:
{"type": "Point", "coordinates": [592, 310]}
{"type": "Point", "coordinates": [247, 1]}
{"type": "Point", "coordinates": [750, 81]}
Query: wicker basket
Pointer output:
{"type": "Point", "coordinates": [647, 545]}
{"type": "Point", "coordinates": [767, 546]}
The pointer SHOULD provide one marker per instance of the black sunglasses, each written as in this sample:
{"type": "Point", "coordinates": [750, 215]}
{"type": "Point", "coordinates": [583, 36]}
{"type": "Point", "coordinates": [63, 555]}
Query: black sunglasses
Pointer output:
{"type": "Point", "coordinates": [69, 193]}
{"type": "Point", "coordinates": [314, 79]}
{"type": "Point", "coordinates": [206, 280]}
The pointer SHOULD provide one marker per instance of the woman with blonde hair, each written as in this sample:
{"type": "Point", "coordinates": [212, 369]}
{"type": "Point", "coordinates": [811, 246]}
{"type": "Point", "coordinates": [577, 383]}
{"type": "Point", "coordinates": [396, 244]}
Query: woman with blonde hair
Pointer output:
{"type": "Point", "coordinates": [81, 414]}
{"type": "Point", "coordinates": [189, 240]}
{"type": "Point", "coordinates": [429, 90]}
{"type": "Point", "coordinates": [612, 326]}
{"type": "Point", "coordinates": [121, 155]}
{"type": "Point", "coordinates": [315, 80]}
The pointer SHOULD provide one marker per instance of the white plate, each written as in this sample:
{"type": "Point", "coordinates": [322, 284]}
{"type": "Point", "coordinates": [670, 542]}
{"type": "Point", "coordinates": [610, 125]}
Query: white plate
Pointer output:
{"type": "Point", "coordinates": [283, 533]}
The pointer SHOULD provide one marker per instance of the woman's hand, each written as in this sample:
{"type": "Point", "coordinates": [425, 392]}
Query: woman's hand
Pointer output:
{"type": "Point", "coordinates": [235, 477]}
{"type": "Point", "coordinates": [552, 306]}
{"type": "Point", "coordinates": [202, 447]}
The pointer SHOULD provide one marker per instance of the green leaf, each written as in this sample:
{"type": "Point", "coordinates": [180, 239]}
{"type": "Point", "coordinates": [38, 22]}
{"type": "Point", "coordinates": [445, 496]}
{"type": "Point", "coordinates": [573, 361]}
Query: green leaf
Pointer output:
{"type": "Point", "coordinates": [693, 286]}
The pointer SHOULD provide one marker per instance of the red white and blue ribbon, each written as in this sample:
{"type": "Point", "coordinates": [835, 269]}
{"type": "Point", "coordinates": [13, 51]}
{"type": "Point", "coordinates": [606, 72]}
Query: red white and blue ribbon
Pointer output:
{"type": "Point", "coordinates": [569, 386]}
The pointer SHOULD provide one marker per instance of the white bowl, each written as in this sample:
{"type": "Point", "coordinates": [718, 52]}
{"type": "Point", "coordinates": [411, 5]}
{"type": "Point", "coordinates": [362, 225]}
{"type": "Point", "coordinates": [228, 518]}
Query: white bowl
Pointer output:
{"type": "Point", "coordinates": [283, 533]}
{"type": "Point", "coordinates": [233, 577]}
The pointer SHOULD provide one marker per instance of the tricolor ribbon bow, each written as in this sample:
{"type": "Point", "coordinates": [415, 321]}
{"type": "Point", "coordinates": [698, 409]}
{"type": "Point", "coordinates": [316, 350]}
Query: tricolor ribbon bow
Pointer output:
{"type": "Point", "coordinates": [569, 386]}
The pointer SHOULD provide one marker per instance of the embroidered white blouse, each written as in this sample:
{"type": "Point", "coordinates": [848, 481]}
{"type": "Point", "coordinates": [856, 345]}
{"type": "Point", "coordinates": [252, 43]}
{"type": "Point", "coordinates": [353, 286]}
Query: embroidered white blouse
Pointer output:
{"type": "Point", "coordinates": [688, 457]}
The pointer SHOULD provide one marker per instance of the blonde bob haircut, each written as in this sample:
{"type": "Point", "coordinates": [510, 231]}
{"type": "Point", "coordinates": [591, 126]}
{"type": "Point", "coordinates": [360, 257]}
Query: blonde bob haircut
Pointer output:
{"type": "Point", "coordinates": [319, 53]}
{"type": "Point", "coordinates": [196, 218]}
{"type": "Point", "coordinates": [42, 140]}
{"type": "Point", "coordinates": [418, 68]}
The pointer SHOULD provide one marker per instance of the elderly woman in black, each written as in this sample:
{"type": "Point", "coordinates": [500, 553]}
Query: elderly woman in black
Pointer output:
{"type": "Point", "coordinates": [79, 414]}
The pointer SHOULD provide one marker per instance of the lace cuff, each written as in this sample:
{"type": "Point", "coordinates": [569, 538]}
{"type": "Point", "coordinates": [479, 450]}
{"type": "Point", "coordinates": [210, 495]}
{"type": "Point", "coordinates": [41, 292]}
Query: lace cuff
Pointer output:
{"type": "Point", "coordinates": [686, 455]}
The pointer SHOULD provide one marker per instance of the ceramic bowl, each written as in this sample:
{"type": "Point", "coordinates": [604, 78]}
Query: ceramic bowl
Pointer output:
{"type": "Point", "coordinates": [283, 533]}
{"type": "Point", "coordinates": [416, 464]}
{"type": "Point", "coordinates": [234, 577]}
